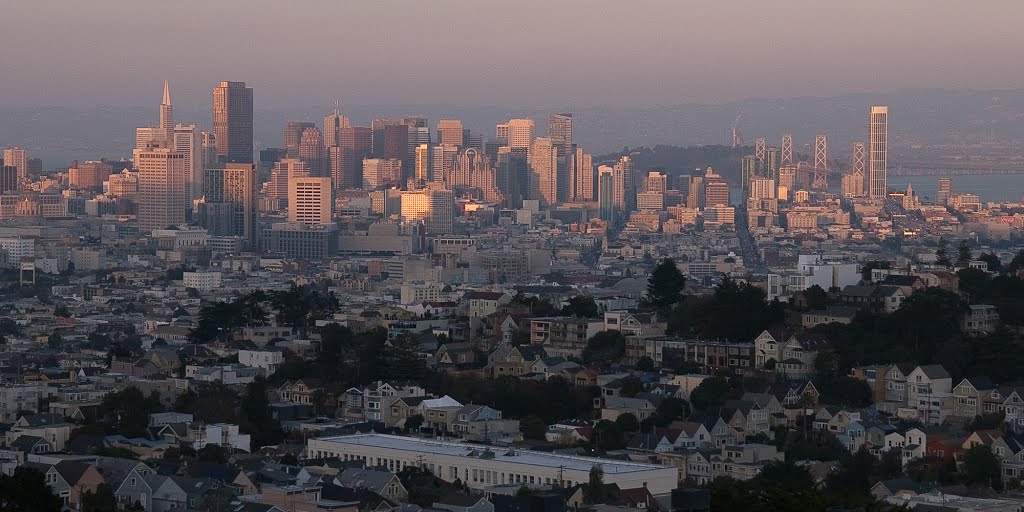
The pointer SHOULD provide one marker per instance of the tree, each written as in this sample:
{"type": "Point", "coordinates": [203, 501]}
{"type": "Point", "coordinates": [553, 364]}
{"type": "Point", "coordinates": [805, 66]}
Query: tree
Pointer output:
{"type": "Point", "coordinates": [710, 393]}
{"type": "Point", "coordinates": [26, 491]}
{"type": "Point", "coordinates": [665, 285]}
{"type": "Point", "coordinates": [981, 466]}
{"type": "Point", "coordinates": [213, 453]}
{"type": "Point", "coordinates": [816, 297]}
{"type": "Point", "coordinates": [963, 253]}
{"type": "Point", "coordinates": [670, 409]}
{"type": "Point", "coordinates": [62, 311]}
{"type": "Point", "coordinates": [103, 500]}
{"type": "Point", "coordinates": [55, 341]}
{"type": "Point", "coordinates": [605, 347]}
{"type": "Point", "coordinates": [993, 262]}
{"type": "Point", "coordinates": [582, 306]}
{"type": "Point", "coordinates": [645, 364]}
{"type": "Point", "coordinates": [628, 422]}
{"type": "Point", "coordinates": [593, 492]}
{"type": "Point", "coordinates": [256, 417]}
{"type": "Point", "coordinates": [1016, 263]}
{"type": "Point", "coordinates": [414, 422]}
{"type": "Point", "coordinates": [402, 360]}
{"type": "Point", "coordinates": [942, 254]}
{"type": "Point", "coordinates": [608, 435]}
{"type": "Point", "coordinates": [533, 428]}
{"type": "Point", "coordinates": [128, 410]}
{"type": "Point", "coordinates": [865, 272]}
{"type": "Point", "coordinates": [630, 386]}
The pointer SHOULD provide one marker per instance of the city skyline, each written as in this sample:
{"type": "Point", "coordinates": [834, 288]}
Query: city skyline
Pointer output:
{"type": "Point", "coordinates": [609, 64]}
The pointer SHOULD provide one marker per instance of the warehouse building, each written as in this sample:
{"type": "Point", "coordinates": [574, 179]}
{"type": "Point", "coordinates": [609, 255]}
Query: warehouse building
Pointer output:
{"type": "Point", "coordinates": [481, 466]}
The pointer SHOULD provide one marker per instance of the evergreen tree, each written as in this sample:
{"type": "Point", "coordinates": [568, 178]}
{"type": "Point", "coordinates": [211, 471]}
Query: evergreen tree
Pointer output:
{"type": "Point", "coordinates": [103, 500]}
{"type": "Point", "coordinates": [942, 254]}
{"type": "Point", "coordinates": [665, 285]}
{"type": "Point", "coordinates": [963, 253]}
{"type": "Point", "coordinates": [26, 491]}
{"type": "Point", "coordinates": [593, 492]}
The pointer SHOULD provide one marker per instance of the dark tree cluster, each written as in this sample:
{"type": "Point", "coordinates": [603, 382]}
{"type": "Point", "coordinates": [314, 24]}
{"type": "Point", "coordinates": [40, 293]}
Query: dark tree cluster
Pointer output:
{"type": "Point", "coordinates": [548, 400]}
{"type": "Point", "coordinates": [926, 329]}
{"type": "Point", "coordinates": [735, 312]}
{"type": "Point", "coordinates": [298, 307]}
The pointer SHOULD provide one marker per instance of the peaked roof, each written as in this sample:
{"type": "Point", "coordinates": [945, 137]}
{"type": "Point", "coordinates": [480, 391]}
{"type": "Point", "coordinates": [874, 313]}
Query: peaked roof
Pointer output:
{"type": "Point", "coordinates": [443, 402]}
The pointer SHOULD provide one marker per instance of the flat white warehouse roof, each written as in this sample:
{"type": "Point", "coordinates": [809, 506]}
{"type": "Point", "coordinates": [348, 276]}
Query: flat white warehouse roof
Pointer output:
{"type": "Point", "coordinates": [532, 458]}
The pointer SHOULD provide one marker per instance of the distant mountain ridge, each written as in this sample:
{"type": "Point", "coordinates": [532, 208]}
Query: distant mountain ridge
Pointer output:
{"type": "Point", "coordinates": [917, 116]}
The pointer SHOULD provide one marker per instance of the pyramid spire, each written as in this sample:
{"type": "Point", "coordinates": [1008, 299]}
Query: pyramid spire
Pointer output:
{"type": "Point", "coordinates": [167, 112]}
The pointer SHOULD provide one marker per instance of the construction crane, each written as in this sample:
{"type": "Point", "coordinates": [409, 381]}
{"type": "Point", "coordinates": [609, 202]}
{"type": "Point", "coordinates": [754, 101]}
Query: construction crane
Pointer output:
{"type": "Point", "coordinates": [737, 136]}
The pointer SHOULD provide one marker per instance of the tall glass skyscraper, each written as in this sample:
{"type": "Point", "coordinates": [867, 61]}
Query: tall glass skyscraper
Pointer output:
{"type": "Point", "coordinates": [232, 122]}
{"type": "Point", "coordinates": [877, 151]}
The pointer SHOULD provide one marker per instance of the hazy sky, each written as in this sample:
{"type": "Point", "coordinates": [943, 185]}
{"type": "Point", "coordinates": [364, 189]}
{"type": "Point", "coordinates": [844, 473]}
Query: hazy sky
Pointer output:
{"type": "Point", "coordinates": [503, 52]}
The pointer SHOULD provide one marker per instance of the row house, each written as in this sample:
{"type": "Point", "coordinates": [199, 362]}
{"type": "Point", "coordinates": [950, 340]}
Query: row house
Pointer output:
{"type": "Point", "coordinates": [565, 335]}
{"type": "Point", "coordinates": [685, 435]}
{"type": "Point", "coordinates": [745, 461]}
{"type": "Point", "coordinates": [367, 404]}
{"type": "Point", "coordinates": [395, 410]}
{"type": "Point", "coordinates": [512, 360]}
{"type": "Point", "coordinates": [874, 377]}
{"type": "Point", "coordinates": [483, 423]}
{"type": "Point", "coordinates": [747, 418]}
{"type": "Point", "coordinates": [642, 407]}
{"type": "Point", "coordinates": [793, 357]}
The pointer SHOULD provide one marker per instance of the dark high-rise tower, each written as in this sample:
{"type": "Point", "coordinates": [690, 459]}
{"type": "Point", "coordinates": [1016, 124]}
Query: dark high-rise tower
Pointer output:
{"type": "Point", "coordinates": [293, 135]}
{"type": "Point", "coordinates": [232, 122]}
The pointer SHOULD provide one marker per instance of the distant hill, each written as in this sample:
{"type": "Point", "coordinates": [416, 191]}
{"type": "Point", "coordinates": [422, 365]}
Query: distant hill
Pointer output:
{"type": "Point", "coordinates": [677, 160]}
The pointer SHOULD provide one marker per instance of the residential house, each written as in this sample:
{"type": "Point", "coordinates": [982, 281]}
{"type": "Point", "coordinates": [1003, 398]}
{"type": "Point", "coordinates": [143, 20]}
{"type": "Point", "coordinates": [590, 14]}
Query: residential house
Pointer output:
{"type": "Point", "coordinates": [508, 359]}
{"type": "Point", "coordinates": [896, 391]}
{"type": "Point", "coordinates": [641, 407]}
{"type": "Point", "coordinates": [880, 299]}
{"type": "Point", "coordinates": [220, 434]}
{"type": "Point", "coordinates": [459, 502]}
{"type": "Point", "coordinates": [746, 417]}
{"type": "Point", "coordinates": [565, 335]}
{"type": "Point", "coordinates": [745, 461]}
{"type": "Point", "coordinates": [1013, 408]}
{"type": "Point", "coordinates": [269, 359]}
{"type": "Point", "coordinates": [875, 377]}
{"type": "Point", "coordinates": [908, 284]}
{"type": "Point", "coordinates": [396, 409]}
{"type": "Point", "coordinates": [303, 391]}
{"type": "Point", "coordinates": [16, 399]}
{"type": "Point", "coordinates": [929, 389]}
{"type": "Point", "coordinates": [455, 356]}
{"type": "Point", "coordinates": [483, 303]}
{"type": "Point", "coordinates": [916, 446]}
{"type": "Point", "coordinates": [829, 315]}
{"type": "Point", "coordinates": [699, 465]}
{"type": "Point", "coordinates": [482, 423]}
{"type": "Point", "coordinates": [691, 434]}
{"type": "Point", "coordinates": [71, 479]}
{"type": "Point", "coordinates": [970, 395]}
{"type": "Point", "coordinates": [50, 427]}
{"type": "Point", "coordinates": [385, 483]}
{"type": "Point", "coordinates": [980, 319]}
{"type": "Point", "coordinates": [770, 404]}
{"type": "Point", "coordinates": [440, 414]}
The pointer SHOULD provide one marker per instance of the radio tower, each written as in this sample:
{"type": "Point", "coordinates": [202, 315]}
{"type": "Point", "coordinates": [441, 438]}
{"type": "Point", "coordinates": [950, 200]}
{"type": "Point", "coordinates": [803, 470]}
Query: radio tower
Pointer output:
{"type": "Point", "coordinates": [787, 149]}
